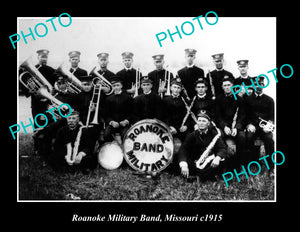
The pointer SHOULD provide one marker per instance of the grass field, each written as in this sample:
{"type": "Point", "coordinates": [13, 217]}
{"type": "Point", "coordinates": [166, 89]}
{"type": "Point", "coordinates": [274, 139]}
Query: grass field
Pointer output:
{"type": "Point", "coordinates": [37, 182]}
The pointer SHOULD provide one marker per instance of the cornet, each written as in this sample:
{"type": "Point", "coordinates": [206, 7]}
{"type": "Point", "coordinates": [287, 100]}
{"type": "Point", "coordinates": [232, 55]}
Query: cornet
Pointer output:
{"type": "Point", "coordinates": [267, 125]}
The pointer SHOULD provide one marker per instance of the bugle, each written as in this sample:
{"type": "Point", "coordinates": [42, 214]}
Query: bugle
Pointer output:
{"type": "Point", "coordinates": [74, 85]}
{"type": "Point", "coordinates": [102, 80]}
{"type": "Point", "coordinates": [269, 126]}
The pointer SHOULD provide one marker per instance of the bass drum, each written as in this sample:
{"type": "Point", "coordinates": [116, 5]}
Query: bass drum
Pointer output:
{"type": "Point", "coordinates": [110, 156]}
{"type": "Point", "coordinates": [148, 146]}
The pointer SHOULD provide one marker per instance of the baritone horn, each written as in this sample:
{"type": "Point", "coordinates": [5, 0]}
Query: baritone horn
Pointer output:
{"type": "Point", "coordinates": [34, 81]}
{"type": "Point", "coordinates": [266, 125]}
{"type": "Point", "coordinates": [74, 85]}
{"type": "Point", "coordinates": [102, 81]}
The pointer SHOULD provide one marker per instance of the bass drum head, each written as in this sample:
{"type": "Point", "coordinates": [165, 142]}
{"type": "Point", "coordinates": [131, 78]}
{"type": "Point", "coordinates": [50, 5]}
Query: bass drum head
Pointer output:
{"type": "Point", "coordinates": [148, 146]}
{"type": "Point", "coordinates": [110, 156]}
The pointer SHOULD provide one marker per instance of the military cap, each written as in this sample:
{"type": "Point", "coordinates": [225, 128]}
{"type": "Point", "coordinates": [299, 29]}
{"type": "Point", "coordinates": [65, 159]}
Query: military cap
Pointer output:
{"type": "Point", "coordinates": [42, 52]}
{"type": "Point", "coordinates": [190, 51]}
{"type": "Point", "coordinates": [62, 79]}
{"type": "Point", "coordinates": [103, 55]}
{"type": "Point", "coordinates": [203, 114]}
{"type": "Point", "coordinates": [74, 54]}
{"type": "Point", "coordinates": [218, 56]}
{"type": "Point", "coordinates": [227, 78]}
{"type": "Point", "coordinates": [201, 80]}
{"type": "Point", "coordinates": [176, 81]}
{"type": "Point", "coordinates": [127, 55]}
{"type": "Point", "coordinates": [242, 62]}
{"type": "Point", "coordinates": [115, 79]}
{"type": "Point", "coordinates": [158, 57]}
{"type": "Point", "coordinates": [146, 79]}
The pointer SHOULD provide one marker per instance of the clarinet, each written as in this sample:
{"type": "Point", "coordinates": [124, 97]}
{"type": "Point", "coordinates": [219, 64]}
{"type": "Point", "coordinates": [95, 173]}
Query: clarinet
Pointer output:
{"type": "Point", "coordinates": [204, 159]}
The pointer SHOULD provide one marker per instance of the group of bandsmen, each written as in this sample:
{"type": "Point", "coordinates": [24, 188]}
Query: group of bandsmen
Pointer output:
{"type": "Point", "coordinates": [191, 103]}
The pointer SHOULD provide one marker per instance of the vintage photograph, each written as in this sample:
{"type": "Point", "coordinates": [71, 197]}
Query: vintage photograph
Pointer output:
{"type": "Point", "coordinates": [179, 109]}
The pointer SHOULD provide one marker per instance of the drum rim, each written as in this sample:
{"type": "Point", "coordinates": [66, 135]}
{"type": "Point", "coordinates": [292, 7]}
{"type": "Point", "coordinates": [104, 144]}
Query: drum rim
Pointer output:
{"type": "Point", "coordinates": [165, 126]}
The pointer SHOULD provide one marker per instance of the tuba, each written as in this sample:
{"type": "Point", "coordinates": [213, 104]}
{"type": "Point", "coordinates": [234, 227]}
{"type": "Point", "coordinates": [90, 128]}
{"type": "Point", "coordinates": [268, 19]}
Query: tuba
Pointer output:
{"type": "Point", "coordinates": [74, 85]}
{"type": "Point", "coordinates": [34, 81]}
{"type": "Point", "coordinates": [102, 80]}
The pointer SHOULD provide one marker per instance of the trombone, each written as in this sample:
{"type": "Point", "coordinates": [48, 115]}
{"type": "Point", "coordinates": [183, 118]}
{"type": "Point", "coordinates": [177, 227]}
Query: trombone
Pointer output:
{"type": "Point", "coordinates": [96, 95]}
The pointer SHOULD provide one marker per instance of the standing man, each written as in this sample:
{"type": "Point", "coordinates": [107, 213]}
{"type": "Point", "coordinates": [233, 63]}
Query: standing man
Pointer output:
{"type": "Point", "coordinates": [148, 105]}
{"type": "Point", "coordinates": [74, 58]}
{"type": "Point", "coordinates": [243, 68]}
{"type": "Point", "coordinates": [118, 110]}
{"type": "Point", "coordinates": [190, 73]}
{"type": "Point", "coordinates": [259, 106]}
{"type": "Point", "coordinates": [159, 76]}
{"type": "Point", "coordinates": [103, 62]}
{"type": "Point", "coordinates": [128, 74]}
{"type": "Point", "coordinates": [215, 77]}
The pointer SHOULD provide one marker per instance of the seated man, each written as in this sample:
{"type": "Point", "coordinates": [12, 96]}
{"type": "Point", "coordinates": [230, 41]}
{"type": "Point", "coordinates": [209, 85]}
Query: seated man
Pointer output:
{"type": "Point", "coordinates": [74, 145]}
{"type": "Point", "coordinates": [202, 151]}
{"type": "Point", "coordinates": [118, 107]}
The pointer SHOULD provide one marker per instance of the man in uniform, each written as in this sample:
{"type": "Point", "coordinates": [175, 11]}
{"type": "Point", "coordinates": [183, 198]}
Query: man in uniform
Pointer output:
{"type": "Point", "coordinates": [204, 140]}
{"type": "Point", "coordinates": [128, 74]}
{"type": "Point", "coordinates": [103, 62]}
{"type": "Point", "coordinates": [259, 106]}
{"type": "Point", "coordinates": [230, 115]}
{"type": "Point", "coordinates": [71, 137]}
{"type": "Point", "coordinates": [159, 76]}
{"type": "Point", "coordinates": [74, 58]}
{"type": "Point", "coordinates": [190, 73]}
{"type": "Point", "coordinates": [243, 67]}
{"type": "Point", "coordinates": [147, 105]}
{"type": "Point", "coordinates": [216, 76]}
{"type": "Point", "coordinates": [118, 110]}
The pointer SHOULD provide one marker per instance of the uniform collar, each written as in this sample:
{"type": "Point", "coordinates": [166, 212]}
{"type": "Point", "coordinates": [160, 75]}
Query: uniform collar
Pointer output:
{"type": "Point", "coordinates": [203, 132]}
{"type": "Point", "coordinates": [190, 66]}
{"type": "Point", "coordinates": [202, 96]}
{"type": "Point", "coordinates": [148, 93]}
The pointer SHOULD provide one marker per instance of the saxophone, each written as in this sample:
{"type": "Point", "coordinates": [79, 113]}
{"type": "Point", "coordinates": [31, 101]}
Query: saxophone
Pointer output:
{"type": "Point", "coordinates": [205, 158]}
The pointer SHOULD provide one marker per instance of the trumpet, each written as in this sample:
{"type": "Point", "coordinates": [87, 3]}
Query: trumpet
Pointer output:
{"type": "Point", "coordinates": [74, 85]}
{"type": "Point", "coordinates": [266, 125]}
{"type": "Point", "coordinates": [168, 92]}
{"type": "Point", "coordinates": [102, 81]}
{"type": "Point", "coordinates": [34, 81]}
{"type": "Point", "coordinates": [137, 83]}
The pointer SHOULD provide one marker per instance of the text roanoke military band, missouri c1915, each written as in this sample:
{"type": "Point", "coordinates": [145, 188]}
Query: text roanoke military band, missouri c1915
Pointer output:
{"type": "Point", "coordinates": [186, 122]}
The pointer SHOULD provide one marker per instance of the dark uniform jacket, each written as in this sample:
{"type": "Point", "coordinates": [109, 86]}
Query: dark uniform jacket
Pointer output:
{"type": "Point", "coordinates": [188, 78]}
{"type": "Point", "coordinates": [217, 77]}
{"type": "Point", "coordinates": [107, 74]}
{"type": "Point", "coordinates": [226, 107]}
{"type": "Point", "coordinates": [118, 107]}
{"type": "Point", "coordinates": [196, 143]}
{"type": "Point", "coordinates": [174, 111]}
{"type": "Point", "coordinates": [247, 81]}
{"type": "Point", "coordinates": [262, 106]}
{"type": "Point", "coordinates": [147, 106]}
{"type": "Point", "coordinates": [128, 77]}
{"type": "Point", "coordinates": [79, 72]}
{"type": "Point", "coordinates": [205, 104]}
{"type": "Point", "coordinates": [157, 75]}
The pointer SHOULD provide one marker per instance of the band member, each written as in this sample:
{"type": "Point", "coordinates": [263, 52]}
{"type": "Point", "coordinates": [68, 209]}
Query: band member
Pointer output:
{"type": "Point", "coordinates": [128, 74]}
{"type": "Point", "coordinates": [202, 102]}
{"type": "Point", "coordinates": [159, 76]}
{"type": "Point", "coordinates": [190, 73]}
{"type": "Point", "coordinates": [118, 108]}
{"type": "Point", "coordinates": [74, 145]}
{"type": "Point", "coordinates": [103, 62]}
{"type": "Point", "coordinates": [74, 58]}
{"type": "Point", "coordinates": [230, 115]}
{"type": "Point", "coordinates": [216, 76]}
{"type": "Point", "coordinates": [148, 104]}
{"type": "Point", "coordinates": [259, 106]}
{"type": "Point", "coordinates": [243, 68]}
{"type": "Point", "coordinates": [202, 151]}
{"type": "Point", "coordinates": [175, 109]}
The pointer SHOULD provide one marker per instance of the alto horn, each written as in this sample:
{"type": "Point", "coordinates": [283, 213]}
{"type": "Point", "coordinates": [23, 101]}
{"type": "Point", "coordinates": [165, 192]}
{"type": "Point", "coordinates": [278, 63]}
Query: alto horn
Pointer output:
{"type": "Point", "coordinates": [74, 85]}
{"type": "Point", "coordinates": [34, 80]}
{"type": "Point", "coordinates": [102, 80]}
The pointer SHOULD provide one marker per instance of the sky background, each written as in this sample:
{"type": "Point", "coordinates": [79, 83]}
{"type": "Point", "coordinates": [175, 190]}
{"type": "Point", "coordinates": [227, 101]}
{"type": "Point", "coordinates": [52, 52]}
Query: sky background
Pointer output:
{"type": "Point", "coordinates": [252, 38]}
